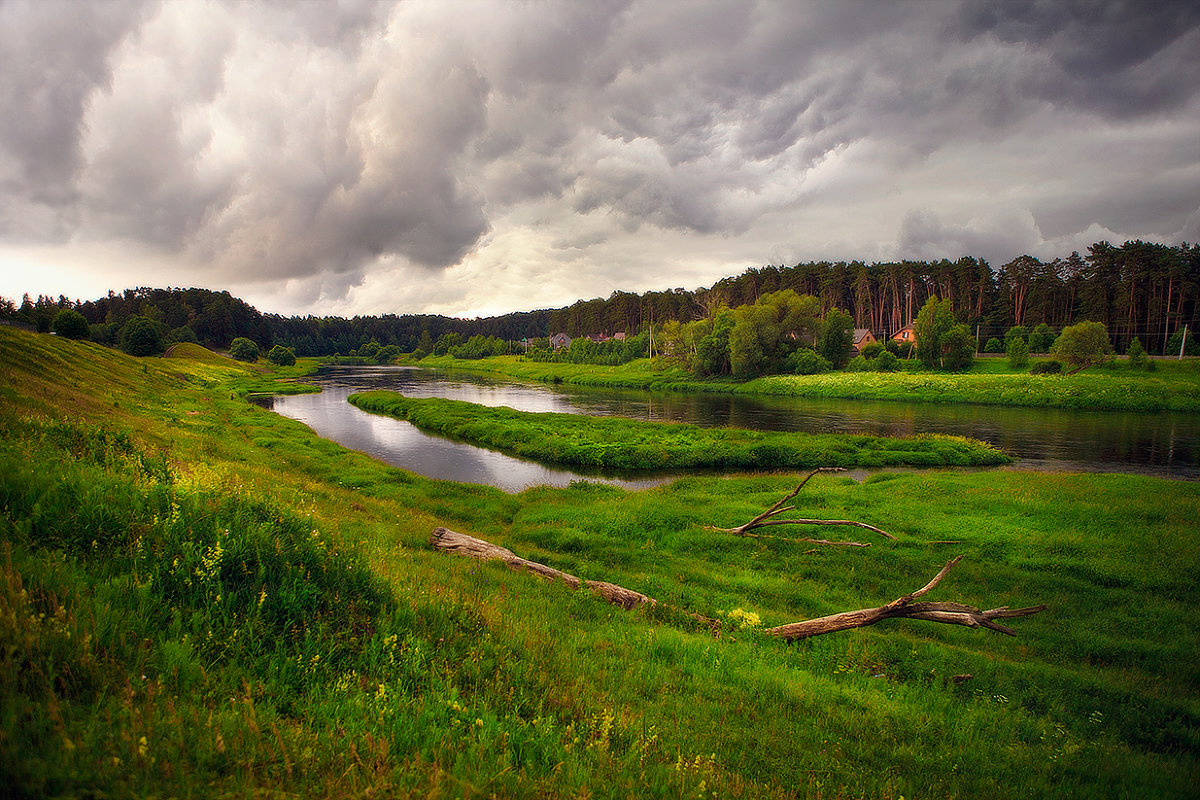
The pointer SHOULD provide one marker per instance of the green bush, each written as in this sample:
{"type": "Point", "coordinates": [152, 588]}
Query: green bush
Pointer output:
{"type": "Point", "coordinates": [71, 324]}
{"type": "Point", "coordinates": [1046, 368]}
{"type": "Point", "coordinates": [281, 356]}
{"type": "Point", "coordinates": [860, 364]}
{"type": "Point", "coordinates": [1042, 339]}
{"type": "Point", "coordinates": [184, 334]}
{"type": "Point", "coordinates": [871, 350]}
{"type": "Point", "coordinates": [1018, 353]}
{"type": "Point", "coordinates": [1083, 345]}
{"type": "Point", "coordinates": [808, 362]}
{"type": "Point", "coordinates": [993, 345]}
{"type": "Point", "coordinates": [244, 350]}
{"type": "Point", "coordinates": [141, 337]}
{"type": "Point", "coordinates": [886, 362]}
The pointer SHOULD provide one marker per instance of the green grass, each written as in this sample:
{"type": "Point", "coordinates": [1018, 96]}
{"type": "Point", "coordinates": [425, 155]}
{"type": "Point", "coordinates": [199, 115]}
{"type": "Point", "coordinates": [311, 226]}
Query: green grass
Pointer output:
{"type": "Point", "coordinates": [619, 443]}
{"type": "Point", "coordinates": [1173, 386]}
{"type": "Point", "coordinates": [201, 598]}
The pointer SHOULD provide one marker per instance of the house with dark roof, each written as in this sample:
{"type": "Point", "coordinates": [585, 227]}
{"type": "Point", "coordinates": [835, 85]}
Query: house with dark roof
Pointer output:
{"type": "Point", "coordinates": [862, 338]}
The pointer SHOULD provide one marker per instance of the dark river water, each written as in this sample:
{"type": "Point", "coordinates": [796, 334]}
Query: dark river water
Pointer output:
{"type": "Point", "coordinates": [1167, 445]}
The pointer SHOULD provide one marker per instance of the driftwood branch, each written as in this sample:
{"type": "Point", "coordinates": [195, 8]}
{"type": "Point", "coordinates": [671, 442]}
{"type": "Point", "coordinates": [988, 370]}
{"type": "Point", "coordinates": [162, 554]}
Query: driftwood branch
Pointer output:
{"type": "Point", "coordinates": [905, 608]}
{"type": "Point", "coordinates": [764, 519]}
{"type": "Point", "coordinates": [448, 541]}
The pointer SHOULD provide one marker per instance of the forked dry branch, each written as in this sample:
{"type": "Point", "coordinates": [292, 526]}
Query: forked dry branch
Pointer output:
{"type": "Point", "coordinates": [764, 519]}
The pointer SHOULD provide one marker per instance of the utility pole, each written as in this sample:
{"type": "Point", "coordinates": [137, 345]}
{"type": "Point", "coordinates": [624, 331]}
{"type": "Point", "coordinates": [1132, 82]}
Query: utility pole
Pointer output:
{"type": "Point", "coordinates": [1182, 342]}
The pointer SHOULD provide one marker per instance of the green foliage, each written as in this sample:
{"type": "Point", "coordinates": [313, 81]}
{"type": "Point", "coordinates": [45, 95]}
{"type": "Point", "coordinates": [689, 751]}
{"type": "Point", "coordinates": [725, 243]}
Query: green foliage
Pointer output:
{"type": "Point", "coordinates": [1137, 354]}
{"type": "Point", "coordinates": [368, 350]}
{"type": "Point", "coordinates": [183, 334]}
{"type": "Point", "coordinates": [281, 356]}
{"type": "Point", "coordinates": [872, 349]}
{"type": "Point", "coordinates": [1190, 346]}
{"type": "Point", "coordinates": [886, 362]}
{"type": "Point", "coordinates": [1018, 353]}
{"type": "Point", "coordinates": [806, 361]}
{"type": "Point", "coordinates": [1016, 332]}
{"type": "Point", "coordinates": [71, 324]}
{"type": "Point", "coordinates": [837, 337]}
{"type": "Point", "coordinates": [141, 337]}
{"type": "Point", "coordinates": [388, 354]}
{"type": "Point", "coordinates": [993, 345]}
{"type": "Point", "coordinates": [1082, 345]}
{"type": "Point", "coordinates": [244, 349]}
{"type": "Point", "coordinates": [934, 321]}
{"type": "Point", "coordinates": [958, 348]}
{"type": "Point", "coordinates": [1041, 339]}
{"type": "Point", "coordinates": [712, 350]}
{"type": "Point", "coordinates": [1050, 367]}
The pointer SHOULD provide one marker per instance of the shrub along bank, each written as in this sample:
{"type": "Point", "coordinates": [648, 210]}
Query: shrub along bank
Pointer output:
{"type": "Point", "coordinates": [619, 443]}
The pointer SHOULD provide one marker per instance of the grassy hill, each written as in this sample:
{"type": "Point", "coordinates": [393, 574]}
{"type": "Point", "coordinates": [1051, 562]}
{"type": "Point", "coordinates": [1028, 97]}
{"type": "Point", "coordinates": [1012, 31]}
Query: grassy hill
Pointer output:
{"type": "Point", "coordinates": [201, 598]}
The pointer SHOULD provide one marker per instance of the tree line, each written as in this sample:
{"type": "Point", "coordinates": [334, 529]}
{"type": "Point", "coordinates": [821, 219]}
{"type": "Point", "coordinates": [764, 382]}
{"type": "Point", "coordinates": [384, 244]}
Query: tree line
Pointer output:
{"type": "Point", "coordinates": [1139, 289]}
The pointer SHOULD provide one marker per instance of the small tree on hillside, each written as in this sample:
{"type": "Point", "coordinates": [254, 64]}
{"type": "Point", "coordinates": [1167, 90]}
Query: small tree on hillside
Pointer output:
{"type": "Point", "coordinates": [281, 356]}
{"type": "Point", "coordinates": [1082, 345]}
{"type": "Point", "coordinates": [71, 324]}
{"type": "Point", "coordinates": [244, 350]}
{"type": "Point", "coordinates": [141, 337]}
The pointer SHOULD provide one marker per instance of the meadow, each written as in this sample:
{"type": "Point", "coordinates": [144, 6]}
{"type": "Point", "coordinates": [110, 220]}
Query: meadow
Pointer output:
{"type": "Point", "coordinates": [201, 598]}
{"type": "Point", "coordinates": [1172, 386]}
{"type": "Point", "coordinates": [626, 444]}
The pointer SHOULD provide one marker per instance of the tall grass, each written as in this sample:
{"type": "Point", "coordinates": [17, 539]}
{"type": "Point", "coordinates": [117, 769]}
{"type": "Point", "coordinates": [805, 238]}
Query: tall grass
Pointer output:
{"type": "Point", "coordinates": [219, 603]}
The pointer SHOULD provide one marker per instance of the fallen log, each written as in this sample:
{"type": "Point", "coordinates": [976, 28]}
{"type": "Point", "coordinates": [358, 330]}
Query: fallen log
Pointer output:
{"type": "Point", "coordinates": [448, 541]}
{"type": "Point", "coordinates": [905, 608]}
{"type": "Point", "coordinates": [764, 519]}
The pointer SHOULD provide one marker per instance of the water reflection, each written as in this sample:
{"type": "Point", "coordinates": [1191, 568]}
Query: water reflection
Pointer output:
{"type": "Point", "coordinates": [1161, 444]}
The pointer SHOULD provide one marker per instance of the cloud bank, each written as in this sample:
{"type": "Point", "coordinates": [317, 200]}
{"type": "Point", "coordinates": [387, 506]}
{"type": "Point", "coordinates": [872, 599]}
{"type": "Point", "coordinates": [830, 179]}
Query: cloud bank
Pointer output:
{"type": "Point", "coordinates": [479, 157]}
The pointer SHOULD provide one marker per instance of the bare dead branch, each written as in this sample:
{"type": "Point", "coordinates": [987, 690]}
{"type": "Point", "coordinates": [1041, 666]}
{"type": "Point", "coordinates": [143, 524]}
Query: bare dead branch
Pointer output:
{"type": "Point", "coordinates": [764, 519]}
{"type": "Point", "coordinates": [949, 613]}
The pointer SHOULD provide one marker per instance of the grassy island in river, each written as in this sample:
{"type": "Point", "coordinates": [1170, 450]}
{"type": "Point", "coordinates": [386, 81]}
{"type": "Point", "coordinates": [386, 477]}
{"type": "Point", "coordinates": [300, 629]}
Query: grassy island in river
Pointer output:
{"type": "Point", "coordinates": [202, 598]}
{"type": "Point", "coordinates": [619, 443]}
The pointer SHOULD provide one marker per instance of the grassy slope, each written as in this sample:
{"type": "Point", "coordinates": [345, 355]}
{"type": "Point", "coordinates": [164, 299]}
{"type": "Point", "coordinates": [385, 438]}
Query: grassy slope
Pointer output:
{"type": "Point", "coordinates": [1174, 386]}
{"type": "Point", "coordinates": [618, 443]}
{"type": "Point", "coordinates": [308, 640]}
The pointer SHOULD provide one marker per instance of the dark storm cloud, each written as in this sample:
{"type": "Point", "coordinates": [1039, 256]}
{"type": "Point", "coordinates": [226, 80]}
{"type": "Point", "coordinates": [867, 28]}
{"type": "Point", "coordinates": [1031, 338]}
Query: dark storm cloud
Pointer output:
{"type": "Point", "coordinates": [326, 143]}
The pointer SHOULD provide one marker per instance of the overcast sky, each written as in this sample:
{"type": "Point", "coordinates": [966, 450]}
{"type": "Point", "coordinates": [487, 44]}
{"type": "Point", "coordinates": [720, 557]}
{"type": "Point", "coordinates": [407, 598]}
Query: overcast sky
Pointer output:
{"type": "Point", "coordinates": [474, 158]}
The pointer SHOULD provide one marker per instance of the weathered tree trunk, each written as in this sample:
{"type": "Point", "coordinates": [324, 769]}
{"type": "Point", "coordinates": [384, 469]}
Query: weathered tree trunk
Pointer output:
{"type": "Point", "coordinates": [905, 608]}
{"type": "Point", "coordinates": [448, 541]}
{"type": "Point", "coordinates": [764, 519]}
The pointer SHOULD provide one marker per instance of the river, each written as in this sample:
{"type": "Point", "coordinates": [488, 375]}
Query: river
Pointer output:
{"type": "Point", "coordinates": [1166, 445]}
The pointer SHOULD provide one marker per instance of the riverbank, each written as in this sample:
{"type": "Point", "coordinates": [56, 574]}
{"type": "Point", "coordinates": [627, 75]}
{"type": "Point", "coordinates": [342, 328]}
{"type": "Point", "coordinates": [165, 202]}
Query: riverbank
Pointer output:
{"type": "Point", "coordinates": [200, 596]}
{"type": "Point", "coordinates": [626, 444]}
{"type": "Point", "coordinates": [1173, 386]}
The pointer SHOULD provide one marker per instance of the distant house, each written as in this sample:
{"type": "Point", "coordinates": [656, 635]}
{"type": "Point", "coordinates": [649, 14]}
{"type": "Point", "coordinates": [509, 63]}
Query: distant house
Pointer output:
{"type": "Point", "coordinates": [862, 338]}
{"type": "Point", "coordinates": [905, 334]}
{"type": "Point", "coordinates": [620, 337]}
{"type": "Point", "coordinates": [560, 341]}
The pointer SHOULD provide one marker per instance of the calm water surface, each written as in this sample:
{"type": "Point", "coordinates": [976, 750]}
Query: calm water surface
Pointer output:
{"type": "Point", "coordinates": [1167, 445]}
